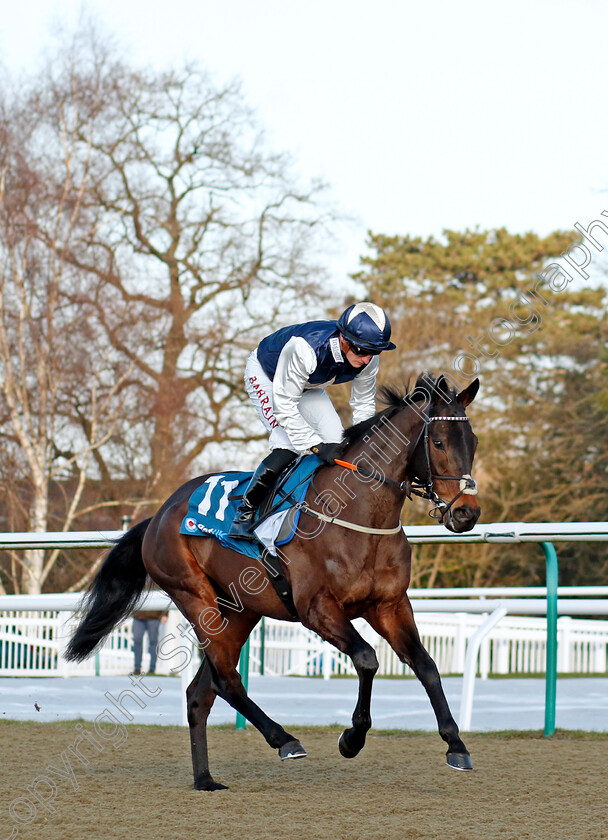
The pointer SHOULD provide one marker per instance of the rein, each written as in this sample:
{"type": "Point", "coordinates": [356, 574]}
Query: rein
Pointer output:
{"type": "Point", "coordinates": [363, 529]}
{"type": "Point", "coordinates": [417, 487]}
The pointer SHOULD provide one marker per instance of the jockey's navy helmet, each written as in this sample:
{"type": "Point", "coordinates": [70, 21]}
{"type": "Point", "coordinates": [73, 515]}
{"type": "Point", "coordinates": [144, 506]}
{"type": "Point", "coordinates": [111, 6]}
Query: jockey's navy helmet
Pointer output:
{"type": "Point", "coordinates": [366, 326]}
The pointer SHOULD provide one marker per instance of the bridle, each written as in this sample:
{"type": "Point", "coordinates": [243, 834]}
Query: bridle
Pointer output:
{"type": "Point", "coordinates": [410, 486]}
{"type": "Point", "coordinates": [424, 488]}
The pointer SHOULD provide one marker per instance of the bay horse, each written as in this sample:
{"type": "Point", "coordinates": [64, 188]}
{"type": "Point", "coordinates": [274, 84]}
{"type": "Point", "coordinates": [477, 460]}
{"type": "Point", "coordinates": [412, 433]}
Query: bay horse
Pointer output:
{"type": "Point", "coordinates": [413, 445]}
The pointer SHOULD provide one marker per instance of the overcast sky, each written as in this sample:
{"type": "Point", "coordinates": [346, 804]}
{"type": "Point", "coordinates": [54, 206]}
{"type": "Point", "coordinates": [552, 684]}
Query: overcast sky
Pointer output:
{"type": "Point", "coordinates": [420, 115]}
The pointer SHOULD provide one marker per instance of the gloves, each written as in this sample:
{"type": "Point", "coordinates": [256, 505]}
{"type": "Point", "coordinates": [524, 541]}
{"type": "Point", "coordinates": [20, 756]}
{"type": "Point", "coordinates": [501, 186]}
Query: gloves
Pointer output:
{"type": "Point", "coordinates": [327, 451]}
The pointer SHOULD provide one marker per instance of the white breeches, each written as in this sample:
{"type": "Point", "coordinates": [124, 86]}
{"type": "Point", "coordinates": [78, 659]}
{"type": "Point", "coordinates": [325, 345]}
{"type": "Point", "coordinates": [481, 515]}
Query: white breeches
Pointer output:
{"type": "Point", "coordinates": [315, 407]}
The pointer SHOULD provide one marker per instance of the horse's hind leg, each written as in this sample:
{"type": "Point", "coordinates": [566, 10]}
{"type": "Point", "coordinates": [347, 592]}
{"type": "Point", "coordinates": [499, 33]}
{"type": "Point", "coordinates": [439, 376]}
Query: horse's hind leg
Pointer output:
{"type": "Point", "coordinates": [223, 642]}
{"type": "Point", "coordinates": [326, 618]}
{"type": "Point", "coordinates": [395, 622]}
{"type": "Point", "coordinates": [200, 696]}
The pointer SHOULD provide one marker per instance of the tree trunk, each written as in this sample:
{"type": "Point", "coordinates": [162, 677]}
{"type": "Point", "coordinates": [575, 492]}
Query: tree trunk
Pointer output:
{"type": "Point", "coordinates": [34, 557]}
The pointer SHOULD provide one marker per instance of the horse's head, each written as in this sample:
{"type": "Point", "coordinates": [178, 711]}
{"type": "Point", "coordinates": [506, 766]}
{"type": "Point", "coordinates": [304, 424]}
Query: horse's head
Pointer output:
{"type": "Point", "coordinates": [442, 460]}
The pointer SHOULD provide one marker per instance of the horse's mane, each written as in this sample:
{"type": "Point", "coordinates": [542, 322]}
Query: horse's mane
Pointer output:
{"type": "Point", "coordinates": [395, 399]}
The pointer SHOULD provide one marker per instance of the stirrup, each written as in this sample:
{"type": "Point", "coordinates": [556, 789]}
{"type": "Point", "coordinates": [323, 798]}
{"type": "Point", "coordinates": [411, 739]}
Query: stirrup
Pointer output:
{"type": "Point", "coordinates": [240, 528]}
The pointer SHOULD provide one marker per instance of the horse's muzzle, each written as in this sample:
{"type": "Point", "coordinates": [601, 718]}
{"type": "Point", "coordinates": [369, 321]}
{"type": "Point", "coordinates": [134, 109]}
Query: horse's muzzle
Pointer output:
{"type": "Point", "coordinates": [462, 518]}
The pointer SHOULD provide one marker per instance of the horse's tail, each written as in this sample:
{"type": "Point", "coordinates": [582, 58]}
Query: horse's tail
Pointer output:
{"type": "Point", "coordinates": [113, 593]}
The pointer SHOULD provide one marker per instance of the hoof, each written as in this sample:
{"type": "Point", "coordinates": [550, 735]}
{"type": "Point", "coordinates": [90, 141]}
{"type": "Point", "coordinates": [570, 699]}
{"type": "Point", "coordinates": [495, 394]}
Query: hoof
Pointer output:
{"type": "Point", "coordinates": [292, 749]}
{"type": "Point", "coordinates": [459, 761]}
{"type": "Point", "coordinates": [345, 750]}
{"type": "Point", "coordinates": [207, 783]}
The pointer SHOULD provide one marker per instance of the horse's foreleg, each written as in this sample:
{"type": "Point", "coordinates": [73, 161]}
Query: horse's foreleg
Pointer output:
{"type": "Point", "coordinates": [227, 683]}
{"type": "Point", "coordinates": [396, 624]}
{"type": "Point", "coordinates": [200, 696]}
{"type": "Point", "coordinates": [327, 618]}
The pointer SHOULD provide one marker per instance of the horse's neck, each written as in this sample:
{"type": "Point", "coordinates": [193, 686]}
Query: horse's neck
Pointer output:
{"type": "Point", "coordinates": [385, 450]}
{"type": "Point", "coordinates": [388, 445]}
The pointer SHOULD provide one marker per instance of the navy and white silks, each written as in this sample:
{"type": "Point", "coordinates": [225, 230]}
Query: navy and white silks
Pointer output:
{"type": "Point", "coordinates": [286, 379]}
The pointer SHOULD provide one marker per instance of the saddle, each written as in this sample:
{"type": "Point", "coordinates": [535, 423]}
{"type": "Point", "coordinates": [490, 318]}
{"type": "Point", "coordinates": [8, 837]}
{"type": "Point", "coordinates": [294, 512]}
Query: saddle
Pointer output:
{"type": "Point", "coordinates": [212, 507]}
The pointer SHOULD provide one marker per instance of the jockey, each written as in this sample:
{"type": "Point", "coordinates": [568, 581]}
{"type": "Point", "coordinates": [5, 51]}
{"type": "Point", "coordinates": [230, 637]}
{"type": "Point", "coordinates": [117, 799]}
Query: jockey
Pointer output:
{"type": "Point", "coordinates": [286, 377]}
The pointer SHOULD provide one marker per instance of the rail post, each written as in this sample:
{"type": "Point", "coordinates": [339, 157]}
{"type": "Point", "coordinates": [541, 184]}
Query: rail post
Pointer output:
{"type": "Point", "coordinates": [551, 676]}
{"type": "Point", "coordinates": [241, 721]}
{"type": "Point", "coordinates": [262, 645]}
{"type": "Point", "coordinates": [470, 665]}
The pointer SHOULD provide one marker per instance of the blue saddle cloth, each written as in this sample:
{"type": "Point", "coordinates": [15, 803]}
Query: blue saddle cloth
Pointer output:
{"type": "Point", "coordinates": [213, 504]}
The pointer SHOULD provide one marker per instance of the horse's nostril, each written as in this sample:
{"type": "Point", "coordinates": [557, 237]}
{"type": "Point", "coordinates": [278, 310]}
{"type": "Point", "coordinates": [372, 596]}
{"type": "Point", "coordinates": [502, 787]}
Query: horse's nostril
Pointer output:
{"type": "Point", "coordinates": [464, 514]}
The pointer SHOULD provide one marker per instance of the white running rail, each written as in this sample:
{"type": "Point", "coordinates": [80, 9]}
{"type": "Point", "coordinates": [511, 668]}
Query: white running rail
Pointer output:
{"type": "Point", "coordinates": [34, 629]}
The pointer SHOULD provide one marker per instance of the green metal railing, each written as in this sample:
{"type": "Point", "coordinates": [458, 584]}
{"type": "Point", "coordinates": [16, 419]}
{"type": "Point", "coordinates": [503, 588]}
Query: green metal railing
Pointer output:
{"type": "Point", "coordinates": [551, 676]}
{"type": "Point", "coordinates": [241, 721]}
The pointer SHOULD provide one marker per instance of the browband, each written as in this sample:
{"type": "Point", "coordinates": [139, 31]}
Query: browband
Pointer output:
{"type": "Point", "coordinates": [461, 419]}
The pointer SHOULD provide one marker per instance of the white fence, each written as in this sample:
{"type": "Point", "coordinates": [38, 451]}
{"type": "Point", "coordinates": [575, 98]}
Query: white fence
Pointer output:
{"type": "Point", "coordinates": [31, 644]}
{"type": "Point", "coordinates": [35, 646]}
{"type": "Point", "coordinates": [516, 646]}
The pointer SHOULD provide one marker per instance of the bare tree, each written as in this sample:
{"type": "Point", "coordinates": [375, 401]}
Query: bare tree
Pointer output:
{"type": "Point", "coordinates": [44, 338]}
{"type": "Point", "coordinates": [147, 241]}
{"type": "Point", "coordinates": [200, 243]}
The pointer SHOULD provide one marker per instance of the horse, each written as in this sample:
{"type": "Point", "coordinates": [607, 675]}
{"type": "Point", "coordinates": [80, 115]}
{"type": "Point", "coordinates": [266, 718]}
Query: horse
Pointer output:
{"type": "Point", "coordinates": [414, 445]}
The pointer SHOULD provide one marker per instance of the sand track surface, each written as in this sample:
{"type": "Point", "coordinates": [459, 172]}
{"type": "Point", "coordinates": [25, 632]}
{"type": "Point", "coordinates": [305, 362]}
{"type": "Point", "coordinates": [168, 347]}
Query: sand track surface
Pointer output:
{"type": "Point", "coordinates": [398, 787]}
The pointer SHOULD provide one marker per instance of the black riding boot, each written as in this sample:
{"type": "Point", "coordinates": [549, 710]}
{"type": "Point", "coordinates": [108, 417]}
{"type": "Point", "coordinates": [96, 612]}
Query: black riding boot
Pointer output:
{"type": "Point", "coordinates": [261, 482]}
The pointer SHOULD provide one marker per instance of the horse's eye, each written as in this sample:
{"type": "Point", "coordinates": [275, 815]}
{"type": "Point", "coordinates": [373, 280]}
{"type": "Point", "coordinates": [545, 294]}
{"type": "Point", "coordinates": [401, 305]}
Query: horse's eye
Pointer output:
{"type": "Point", "coordinates": [438, 444]}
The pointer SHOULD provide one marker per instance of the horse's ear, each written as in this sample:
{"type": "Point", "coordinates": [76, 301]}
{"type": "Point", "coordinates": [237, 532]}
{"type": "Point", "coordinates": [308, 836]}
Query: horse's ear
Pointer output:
{"type": "Point", "coordinates": [442, 388]}
{"type": "Point", "coordinates": [467, 396]}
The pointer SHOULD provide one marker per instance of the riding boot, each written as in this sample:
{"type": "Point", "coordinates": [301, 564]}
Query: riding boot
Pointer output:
{"type": "Point", "coordinates": [261, 482]}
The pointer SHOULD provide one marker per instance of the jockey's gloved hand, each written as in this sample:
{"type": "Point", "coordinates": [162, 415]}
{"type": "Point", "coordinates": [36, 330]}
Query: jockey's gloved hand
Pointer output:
{"type": "Point", "coordinates": [327, 451]}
